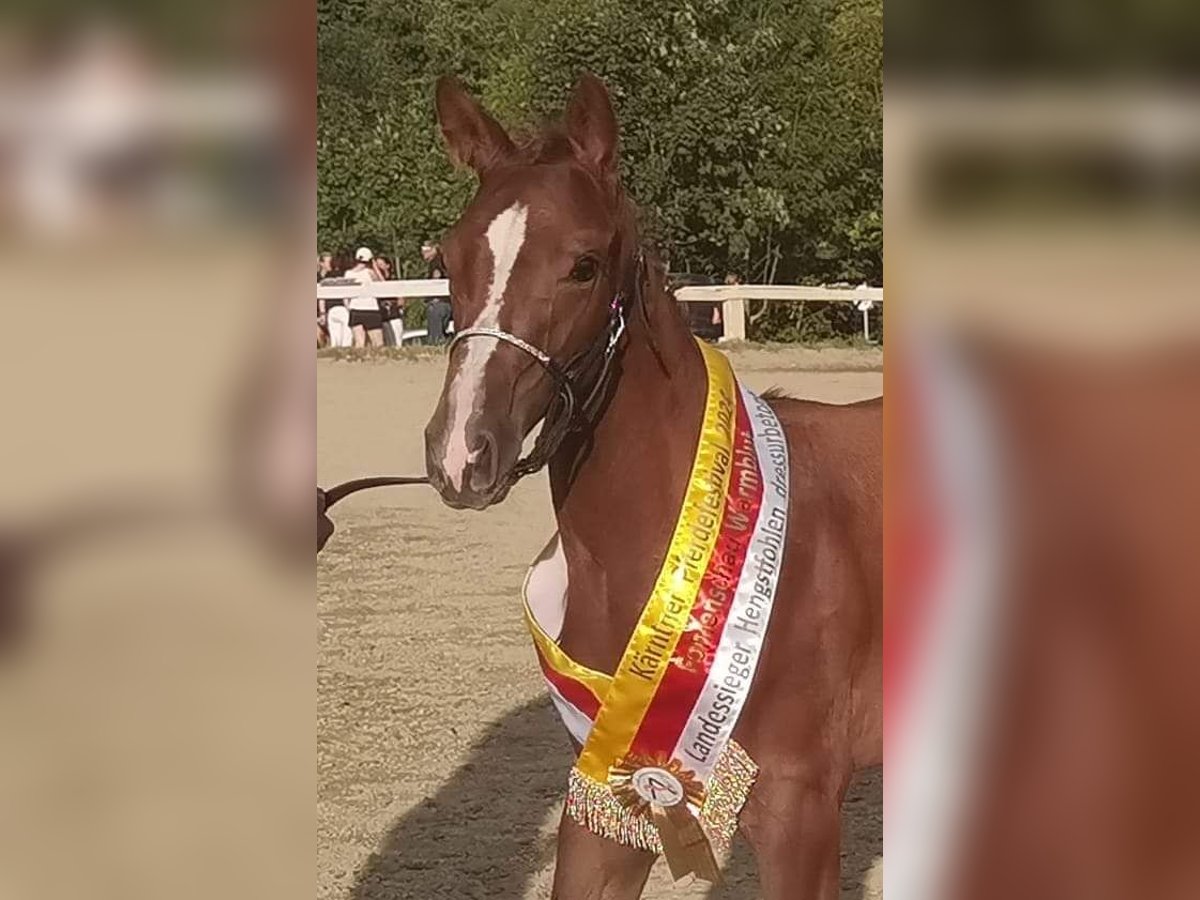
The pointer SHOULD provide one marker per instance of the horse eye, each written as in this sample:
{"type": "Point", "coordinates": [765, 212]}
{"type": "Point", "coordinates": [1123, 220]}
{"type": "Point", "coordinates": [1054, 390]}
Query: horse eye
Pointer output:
{"type": "Point", "coordinates": [585, 270]}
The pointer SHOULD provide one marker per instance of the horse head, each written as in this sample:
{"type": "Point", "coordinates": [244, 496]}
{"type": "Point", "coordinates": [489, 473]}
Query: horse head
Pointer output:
{"type": "Point", "coordinates": [536, 264]}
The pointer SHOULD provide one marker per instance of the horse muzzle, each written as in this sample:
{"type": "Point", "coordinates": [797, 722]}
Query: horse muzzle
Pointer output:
{"type": "Point", "coordinates": [471, 470]}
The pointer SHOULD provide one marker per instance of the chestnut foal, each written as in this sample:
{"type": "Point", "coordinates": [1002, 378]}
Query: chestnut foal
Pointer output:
{"type": "Point", "coordinates": [535, 263]}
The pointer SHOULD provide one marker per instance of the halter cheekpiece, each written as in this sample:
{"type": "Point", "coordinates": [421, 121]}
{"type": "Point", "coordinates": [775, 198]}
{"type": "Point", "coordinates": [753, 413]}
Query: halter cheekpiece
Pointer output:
{"type": "Point", "coordinates": [566, 413]}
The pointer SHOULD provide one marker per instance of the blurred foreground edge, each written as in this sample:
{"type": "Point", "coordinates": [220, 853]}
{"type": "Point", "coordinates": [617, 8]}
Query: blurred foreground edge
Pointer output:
{"type": "Point", "coordinates": [1043, 425]}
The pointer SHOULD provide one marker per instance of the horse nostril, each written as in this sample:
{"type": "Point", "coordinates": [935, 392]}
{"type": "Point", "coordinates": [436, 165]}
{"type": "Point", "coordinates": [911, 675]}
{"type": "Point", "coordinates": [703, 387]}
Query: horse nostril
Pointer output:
{"type": "Point", "coordinates": [483, 463]}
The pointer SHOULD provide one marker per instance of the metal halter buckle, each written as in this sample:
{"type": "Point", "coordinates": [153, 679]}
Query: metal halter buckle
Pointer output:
{"type": "Point", "coordinates": [617, 327]}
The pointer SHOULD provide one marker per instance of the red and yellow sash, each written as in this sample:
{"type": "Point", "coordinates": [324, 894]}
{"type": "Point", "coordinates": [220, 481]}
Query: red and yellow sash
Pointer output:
{"type": "Point", "coordinates": [658, 768]}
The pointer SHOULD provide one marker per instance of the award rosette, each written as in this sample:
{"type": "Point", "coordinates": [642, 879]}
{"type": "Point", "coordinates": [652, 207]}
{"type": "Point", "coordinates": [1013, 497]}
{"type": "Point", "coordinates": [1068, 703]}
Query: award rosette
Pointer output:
{"type": "Point", "coordinates": [659, 769]}
{"type": "Point", "coordinates": [663, 789]}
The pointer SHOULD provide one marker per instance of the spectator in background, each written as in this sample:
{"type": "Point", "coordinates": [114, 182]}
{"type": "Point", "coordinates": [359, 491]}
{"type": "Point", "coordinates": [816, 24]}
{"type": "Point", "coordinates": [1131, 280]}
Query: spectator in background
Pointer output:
{"type": "Point", "coordinates": [337, 316]}
{"type": "Point", "coordinates": [431, 252]}
{"type": "Point", "coordinates": [332, 315]}
{"type": "Point", "coordinates": [437, 309]}
{"type": "Point", "coordinates": [390, 308]}
{"type": "Point", "coordinates": [324, 267]}
{"type": "Point", "coordinates": [365, 319]}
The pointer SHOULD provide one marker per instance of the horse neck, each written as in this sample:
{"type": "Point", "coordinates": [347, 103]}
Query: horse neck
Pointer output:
{"type": "Point", "coordinates": [616, 514]}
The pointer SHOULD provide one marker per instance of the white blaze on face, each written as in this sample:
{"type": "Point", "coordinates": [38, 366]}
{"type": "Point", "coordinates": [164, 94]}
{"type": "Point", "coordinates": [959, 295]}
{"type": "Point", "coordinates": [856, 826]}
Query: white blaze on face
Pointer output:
{"type": "Point", "coordinates": [505, 237]}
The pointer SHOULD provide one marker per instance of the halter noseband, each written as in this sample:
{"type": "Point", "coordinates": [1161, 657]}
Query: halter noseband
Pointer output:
{"type": "Point", "coordinates": [570, 415]}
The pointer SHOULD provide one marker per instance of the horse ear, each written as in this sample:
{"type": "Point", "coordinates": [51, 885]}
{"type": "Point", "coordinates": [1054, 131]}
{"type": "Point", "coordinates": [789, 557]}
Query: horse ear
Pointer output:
{"type": "Point", "coordinates": [472, 136]}
{"type": "Point", "coordinates": [592, 124]}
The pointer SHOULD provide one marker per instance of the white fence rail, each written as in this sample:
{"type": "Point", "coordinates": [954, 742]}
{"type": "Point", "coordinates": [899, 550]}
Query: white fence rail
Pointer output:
{"type": "Point", "coordinates": [413, 287]}
{"type": "Point", "coordinates": [732, 297]}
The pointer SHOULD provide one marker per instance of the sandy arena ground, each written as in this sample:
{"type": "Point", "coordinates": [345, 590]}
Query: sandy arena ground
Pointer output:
{"type": "Point", "coordinates": [441, 762]}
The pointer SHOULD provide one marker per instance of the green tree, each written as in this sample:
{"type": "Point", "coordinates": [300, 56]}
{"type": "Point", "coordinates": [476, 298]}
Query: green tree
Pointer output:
{"type": "Point", "coordinates": [751, 131]}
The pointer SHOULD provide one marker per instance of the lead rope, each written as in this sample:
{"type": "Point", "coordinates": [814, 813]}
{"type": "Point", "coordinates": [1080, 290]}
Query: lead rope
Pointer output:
{"type": "Point", "coordinates": [346, 488]}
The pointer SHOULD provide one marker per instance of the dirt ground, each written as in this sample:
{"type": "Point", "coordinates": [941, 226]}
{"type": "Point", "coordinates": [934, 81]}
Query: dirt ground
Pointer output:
{"type": "Point", "coordinates": [441, 764]}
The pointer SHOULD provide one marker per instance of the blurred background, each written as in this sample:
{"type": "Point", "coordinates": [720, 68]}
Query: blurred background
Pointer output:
{"type": "Point", "coordinates": [156, 643]}
{"type": "Point", "coordinates": [1042, 167]}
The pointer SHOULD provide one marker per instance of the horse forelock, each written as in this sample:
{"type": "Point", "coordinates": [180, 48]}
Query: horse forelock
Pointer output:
{"type": "Point", "coordinates": [549, 144]}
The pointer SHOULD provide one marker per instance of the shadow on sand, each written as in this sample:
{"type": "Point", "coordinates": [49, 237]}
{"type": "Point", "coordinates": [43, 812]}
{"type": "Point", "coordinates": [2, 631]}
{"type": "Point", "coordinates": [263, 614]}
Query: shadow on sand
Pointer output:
{"type": "Point", "coordinates": [479, 835]}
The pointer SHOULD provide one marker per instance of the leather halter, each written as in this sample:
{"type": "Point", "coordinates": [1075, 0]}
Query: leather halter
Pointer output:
{"type": "Point", "coordinates": [566, 413]}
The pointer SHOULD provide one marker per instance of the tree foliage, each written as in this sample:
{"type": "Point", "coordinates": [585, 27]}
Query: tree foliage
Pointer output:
{"type": "Point", "coordinates": [751, 129]}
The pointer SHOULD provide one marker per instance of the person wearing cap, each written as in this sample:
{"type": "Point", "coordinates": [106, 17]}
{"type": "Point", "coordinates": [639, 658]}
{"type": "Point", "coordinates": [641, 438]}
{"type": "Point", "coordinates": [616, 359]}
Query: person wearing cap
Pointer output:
{"type": "Point", "coordinates": [437, 309]}
{"type": "Point", "coordinates": [366, 320]}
